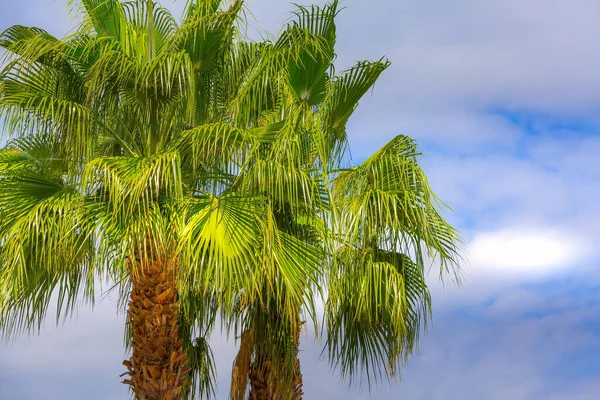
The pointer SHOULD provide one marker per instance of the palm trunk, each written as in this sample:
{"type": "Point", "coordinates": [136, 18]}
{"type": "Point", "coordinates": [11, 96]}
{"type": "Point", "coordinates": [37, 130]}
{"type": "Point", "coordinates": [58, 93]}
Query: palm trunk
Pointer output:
{"type": "Point", "coordinates": [158, 367]}
{"type": "Point", "coordinates": [265, 381]}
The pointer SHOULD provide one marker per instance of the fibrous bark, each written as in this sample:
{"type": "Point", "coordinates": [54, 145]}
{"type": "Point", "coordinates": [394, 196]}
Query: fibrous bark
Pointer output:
{"type": "Point", "coordinates": [266, 381]}
{"type": "Point", "coordinates": [158, 367]}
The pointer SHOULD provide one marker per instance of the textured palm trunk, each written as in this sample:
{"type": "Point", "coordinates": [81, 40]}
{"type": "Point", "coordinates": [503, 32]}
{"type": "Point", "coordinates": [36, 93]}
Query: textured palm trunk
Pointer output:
{"type": "Point", "coordinates": [158, 367]}
{"type": "Point", "coordinates": [264, 379]}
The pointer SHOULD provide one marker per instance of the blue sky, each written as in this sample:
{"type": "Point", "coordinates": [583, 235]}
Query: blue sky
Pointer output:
{"type": "Point", "coordinates": [504, 98]}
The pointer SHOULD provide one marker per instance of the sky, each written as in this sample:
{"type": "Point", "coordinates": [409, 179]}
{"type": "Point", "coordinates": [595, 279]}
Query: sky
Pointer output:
{"type": "Point", "coordinates": [503, 97]}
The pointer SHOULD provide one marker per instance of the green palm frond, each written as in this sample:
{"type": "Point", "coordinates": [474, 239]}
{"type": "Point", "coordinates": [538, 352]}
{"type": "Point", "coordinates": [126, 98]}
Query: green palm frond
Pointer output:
{"type": "Point", "coordinates": [204, 35]}
{"type": "Point", "coordinates": [264, 86]}
{"type": "Point", "coordinates": [377, 302]}
{"type": "Point", "coordinates": [131, 184]}
{"type": "Point", "coordinates": [106, 17]}
{"type": "Point", "coordinates": [290, 266]}
{"type": "Point", "coordinates": [141, 20]}
{"type": "Point", "coordinates": [46, 242]}
{"type": "Point", "coordinates": [378, 297]}
{"type": "Point", "coordinates": [41, 216]}
{"type": "Point", "coordinates": [308, 74]}
{"type": "Point", "coordinates": [203, 374]}
{"type": "Point", "coordinates": [13, 159]}
{"type": "Point", "coordinates": [347, 89]}
{"type": "Point", "coordinates": [216, 147]}
{"type": "Point", "coordinates": [30, 44]}
{"type": "Point", "coordinates": [219, 243]}
{"type": "Point", "coordinates": [237, 65]}
{"type": "Point", "coordinates": [23, 308]}
{"type": "Point", "coordinates": [393, 205]}
{"type": "Point", "coordinates": [44, 96]}
{"type": "Point", "coordinates": [200, 8]}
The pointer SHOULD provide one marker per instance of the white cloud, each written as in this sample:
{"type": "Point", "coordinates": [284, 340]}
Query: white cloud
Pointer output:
{"type": "Point", "coordinates": [553, 183]}
{"type": "Point", "coordinates": [513, 251]}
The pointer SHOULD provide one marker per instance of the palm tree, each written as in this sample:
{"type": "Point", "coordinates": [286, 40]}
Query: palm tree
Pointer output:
{"type": "Point", "coordinates": [374, 225]}
{"type": "Point", "coordinates": [208, 177]}
{"type": "Point", "coordinates": [126, 140]}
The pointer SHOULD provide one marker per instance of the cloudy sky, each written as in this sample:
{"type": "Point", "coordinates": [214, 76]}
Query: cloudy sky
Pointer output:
{"type": "Point", "coordinates": [504, 99]}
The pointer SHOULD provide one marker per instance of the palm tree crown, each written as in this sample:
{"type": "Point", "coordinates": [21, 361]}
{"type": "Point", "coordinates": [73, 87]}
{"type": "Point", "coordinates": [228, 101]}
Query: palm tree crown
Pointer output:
{"type": "Point", "coordinates": [209, 177]}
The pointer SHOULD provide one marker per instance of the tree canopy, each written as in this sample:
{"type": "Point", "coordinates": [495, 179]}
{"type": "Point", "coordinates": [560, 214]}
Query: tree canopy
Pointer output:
{"type": "Point", "coordinates": [141, 140]}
